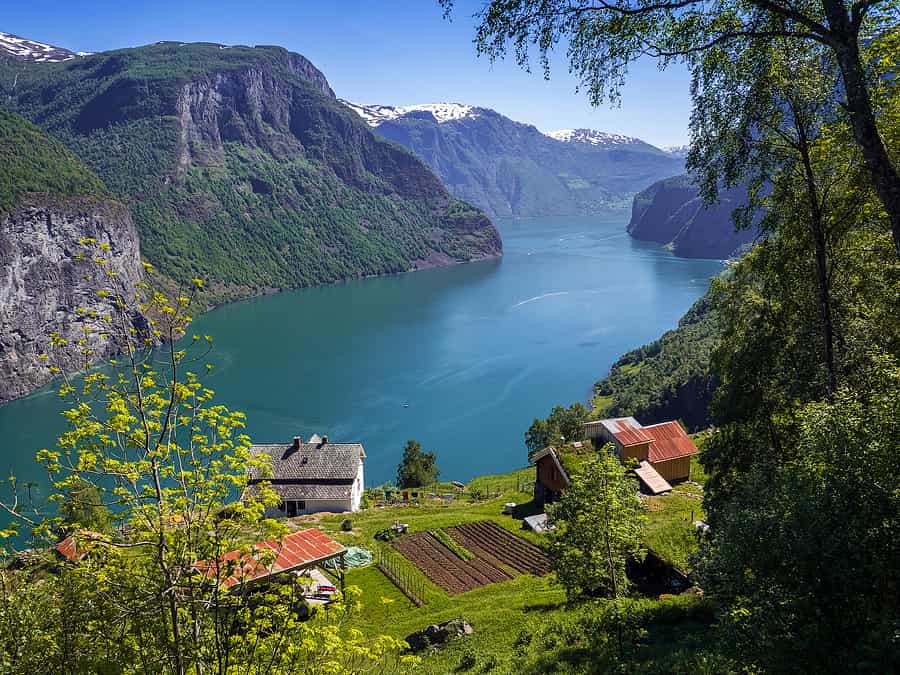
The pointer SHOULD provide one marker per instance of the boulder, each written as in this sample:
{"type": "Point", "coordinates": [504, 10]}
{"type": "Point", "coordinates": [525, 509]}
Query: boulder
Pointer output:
{"type": "Point", "coordinates": [438, 634]}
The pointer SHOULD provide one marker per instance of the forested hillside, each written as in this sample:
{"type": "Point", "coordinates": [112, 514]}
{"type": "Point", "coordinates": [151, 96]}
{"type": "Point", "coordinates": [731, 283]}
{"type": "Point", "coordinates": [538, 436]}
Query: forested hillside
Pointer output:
{"type": "Point", "coordinates": [241, 167]}
{"type": "Point", "coordinates": [670, 378]}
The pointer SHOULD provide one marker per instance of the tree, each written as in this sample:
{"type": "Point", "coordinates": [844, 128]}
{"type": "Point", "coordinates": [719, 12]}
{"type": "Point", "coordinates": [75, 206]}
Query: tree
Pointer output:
{"type": "Point", "coordinates": [83, 507]}
{"type": "Point", "coordinates": [539, 435]}
{"type": "Point", "coordinates": [804, 556]}
{"type": "Point", "coordinates": [605, 37]}
{"type": "Point", "coordinates": [417, 468]}
{"type": "Point", "coordinates": [569, 421]}
{"type": "Point", "coordinates": [599, 520]}
{"type": "Point", "coordinates": [146, 438]}
{"type": "Point", "coordinates": [563, 424]}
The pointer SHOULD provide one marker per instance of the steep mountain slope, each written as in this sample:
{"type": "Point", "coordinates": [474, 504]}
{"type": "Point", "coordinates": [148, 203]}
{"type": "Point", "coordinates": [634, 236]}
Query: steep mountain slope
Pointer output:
{"type": "Point", "coordinates": [240, 166]}
{"type": "Point", "coordinates": [668, 378]}
{"type": "Point", "coordinates": [508, 168]}
{"type": "Point", "coordinates": [671, 212]}
{"type": "Point", "coordinates": [49, 201]}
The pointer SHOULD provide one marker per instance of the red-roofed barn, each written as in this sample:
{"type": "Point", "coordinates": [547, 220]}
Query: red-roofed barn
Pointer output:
{"type": "Point", "coordinates": [665, 446]}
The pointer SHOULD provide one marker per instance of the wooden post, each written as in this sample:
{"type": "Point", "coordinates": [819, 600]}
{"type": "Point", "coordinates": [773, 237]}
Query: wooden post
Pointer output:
{"type": "Point", "coordinates": [343, 569]}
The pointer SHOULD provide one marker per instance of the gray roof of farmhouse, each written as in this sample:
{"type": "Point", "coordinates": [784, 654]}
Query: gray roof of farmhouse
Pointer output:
{"type": "Point", "coordinates": [310, 463]}
{"type": "Point", "coordinates": [308, 491]}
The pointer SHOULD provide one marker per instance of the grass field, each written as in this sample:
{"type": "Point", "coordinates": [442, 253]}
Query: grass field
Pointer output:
{"type": "Point", "coordinates": [501, 612]}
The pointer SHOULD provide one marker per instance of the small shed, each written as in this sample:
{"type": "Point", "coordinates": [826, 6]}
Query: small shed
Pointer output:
{"type": "Point", "coordinates": [550, 476]}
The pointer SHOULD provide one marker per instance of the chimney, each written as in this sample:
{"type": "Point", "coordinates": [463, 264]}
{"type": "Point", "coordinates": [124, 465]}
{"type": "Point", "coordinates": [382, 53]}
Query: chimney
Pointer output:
{"type": "Point", "coordinates": [296, 444]}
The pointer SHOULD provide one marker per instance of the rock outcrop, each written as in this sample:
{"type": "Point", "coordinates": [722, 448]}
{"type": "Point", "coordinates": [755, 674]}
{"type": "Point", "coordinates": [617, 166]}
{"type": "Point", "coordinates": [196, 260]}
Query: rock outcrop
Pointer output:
{"type": "Point", "coordinates": [42, 284]}
{"type": "Point", "coordinates": [672, 212]}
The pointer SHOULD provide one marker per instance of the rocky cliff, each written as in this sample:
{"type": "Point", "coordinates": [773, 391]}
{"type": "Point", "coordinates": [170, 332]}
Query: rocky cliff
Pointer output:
{"type": "Point", "coordinates": [672, 212]}
{"type": "Point", "coordinates": [43, 284]}
{"type": "Point", "coordinates": [240, 166]}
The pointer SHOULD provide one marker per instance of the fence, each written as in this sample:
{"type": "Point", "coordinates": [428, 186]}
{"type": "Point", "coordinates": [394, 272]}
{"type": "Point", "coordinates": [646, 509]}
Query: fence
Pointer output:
{"type": "Point", "coordinates": [397, 570]}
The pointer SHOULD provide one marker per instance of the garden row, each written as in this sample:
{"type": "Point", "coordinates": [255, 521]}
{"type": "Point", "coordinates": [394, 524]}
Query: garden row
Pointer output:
{"type": "Point", "coordinates": [496, 555]}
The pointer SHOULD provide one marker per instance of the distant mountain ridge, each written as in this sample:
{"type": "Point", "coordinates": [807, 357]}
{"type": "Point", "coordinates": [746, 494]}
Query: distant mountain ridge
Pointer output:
{"type": "Point", "coordinates": [28, 51]}
{"type": "Point", "coordinates": [594, 137]}
{"type": "Point", "coordinates": [508, 168]}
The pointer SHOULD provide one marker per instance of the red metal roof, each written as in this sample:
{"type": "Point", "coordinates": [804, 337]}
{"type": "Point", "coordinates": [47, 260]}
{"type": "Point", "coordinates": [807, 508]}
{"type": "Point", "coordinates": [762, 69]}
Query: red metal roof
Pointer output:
{"type": "Point", "coordinates": [627, 433]}
{"type": "Point", "coordinates": [298, 550]}
{"type": "Point", "coordinates": [669, 442]}
{"type": "Point", "coordinates": [75, 547]}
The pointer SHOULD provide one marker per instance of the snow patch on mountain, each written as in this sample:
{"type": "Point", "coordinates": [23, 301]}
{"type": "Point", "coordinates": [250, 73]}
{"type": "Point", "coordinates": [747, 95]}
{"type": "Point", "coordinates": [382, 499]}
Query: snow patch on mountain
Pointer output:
{"type": "Point", "coordinates": [23, 49]}
{"type": "Point", "coordinates": [375, 115]}
{"type": "Point", "coordinates": [679, 151]}
{"type": "Point", "coordinates": [591, 137]}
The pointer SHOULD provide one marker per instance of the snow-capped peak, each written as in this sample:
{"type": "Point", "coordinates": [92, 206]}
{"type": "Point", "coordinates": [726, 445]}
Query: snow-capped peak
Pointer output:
{"type": "Point", "coordinates": [679, 151]}
{"type": "Point", "coordinates": [375, 115]}
{"type": "Point", "coordinates": [23, 49]}
{"type": "Point", "coordinates": [591, 137]}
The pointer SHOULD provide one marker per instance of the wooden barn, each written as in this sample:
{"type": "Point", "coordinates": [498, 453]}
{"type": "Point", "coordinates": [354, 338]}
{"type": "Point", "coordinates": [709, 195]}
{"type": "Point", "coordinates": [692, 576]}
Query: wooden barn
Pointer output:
{"type": "Point", "coordinates": [550, 477]}
{"type": "Point", "coordinates": [664, 449]}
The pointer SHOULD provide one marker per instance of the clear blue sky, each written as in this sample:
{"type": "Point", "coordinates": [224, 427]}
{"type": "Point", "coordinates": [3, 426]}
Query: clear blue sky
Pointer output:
{"type": "Point", "coordinates": [395, 52]}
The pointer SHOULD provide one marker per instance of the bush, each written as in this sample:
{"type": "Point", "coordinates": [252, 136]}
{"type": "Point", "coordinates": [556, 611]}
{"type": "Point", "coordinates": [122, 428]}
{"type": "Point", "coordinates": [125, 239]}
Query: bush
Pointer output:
{"type": "Point", "coordinates": [346, 525]}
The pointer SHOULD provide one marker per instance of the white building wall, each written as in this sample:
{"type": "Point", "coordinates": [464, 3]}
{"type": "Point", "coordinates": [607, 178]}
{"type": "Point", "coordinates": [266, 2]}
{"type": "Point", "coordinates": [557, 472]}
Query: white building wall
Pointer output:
{"type": "Point", "coordinates": [359, 486]}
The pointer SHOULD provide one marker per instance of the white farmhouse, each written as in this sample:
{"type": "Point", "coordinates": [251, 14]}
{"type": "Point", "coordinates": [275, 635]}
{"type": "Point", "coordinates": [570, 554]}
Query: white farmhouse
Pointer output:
{"type": "Point", "coordinates": [314, 476]}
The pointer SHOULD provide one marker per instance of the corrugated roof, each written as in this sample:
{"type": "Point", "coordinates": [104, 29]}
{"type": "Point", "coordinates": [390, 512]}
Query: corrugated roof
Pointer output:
{"type": "Point", "coordinates": [670, 441]}
{"type": "Point", "coordinates": [76, 546]}
{"type": "Point", "coordinates": [655, 483]}
{"type": "Point", "coordinates": [312, 461]}
{"type": "Point", "coordinates": [627, 430]}
{"type": "Point", "coordinates": [298, 550]}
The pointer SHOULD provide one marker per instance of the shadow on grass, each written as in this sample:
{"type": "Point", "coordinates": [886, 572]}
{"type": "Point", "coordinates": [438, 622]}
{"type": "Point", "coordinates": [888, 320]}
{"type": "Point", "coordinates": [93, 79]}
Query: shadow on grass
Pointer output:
{"type": "Point", "coordinates": [527, 509]}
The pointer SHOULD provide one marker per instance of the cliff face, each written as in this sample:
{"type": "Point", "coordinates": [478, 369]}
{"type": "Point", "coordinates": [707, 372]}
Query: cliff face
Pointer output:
{"type": "Point", "coordinates": [240, 166]}
{"type": "Point", "coordinates": [42, 284]}
{"type": "Point", "coordinates": [672, 212]}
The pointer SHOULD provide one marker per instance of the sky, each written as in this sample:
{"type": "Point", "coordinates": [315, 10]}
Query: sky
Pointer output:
{"type": "Point", "coordinates": [391, 52]}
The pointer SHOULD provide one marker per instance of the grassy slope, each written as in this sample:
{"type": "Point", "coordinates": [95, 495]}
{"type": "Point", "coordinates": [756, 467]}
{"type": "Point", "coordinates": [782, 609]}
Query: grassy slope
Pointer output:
{"type": "Point", "coordinates": [500, 612]}
{"type": "Point", "coordinates": [31, 161]}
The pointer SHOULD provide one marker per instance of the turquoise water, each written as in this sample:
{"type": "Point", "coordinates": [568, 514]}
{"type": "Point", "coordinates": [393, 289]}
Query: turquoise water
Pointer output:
{"type": "Point", "coordinates": [460, 358]}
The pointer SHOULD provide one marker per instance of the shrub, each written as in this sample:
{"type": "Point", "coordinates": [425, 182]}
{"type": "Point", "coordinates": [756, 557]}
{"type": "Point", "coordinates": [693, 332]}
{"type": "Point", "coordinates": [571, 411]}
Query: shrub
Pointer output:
{"type": "Point", "coordinates": [346, 525]}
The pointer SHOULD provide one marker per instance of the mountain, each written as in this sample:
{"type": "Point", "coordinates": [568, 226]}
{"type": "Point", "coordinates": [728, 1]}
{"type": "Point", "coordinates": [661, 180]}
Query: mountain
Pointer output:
{"type": "Point", "coordinates": [679, 151]}
{"type": "Point", "coordinates": [240, 166]}
{"type": "Point", "coordinates": [49, 202]}
{"type": "Point", "coordinates": [672, 212]}
{"type": "Point", "coordinates": [511, 169]}
{"type": "Point", "coordinates": [23, 50]}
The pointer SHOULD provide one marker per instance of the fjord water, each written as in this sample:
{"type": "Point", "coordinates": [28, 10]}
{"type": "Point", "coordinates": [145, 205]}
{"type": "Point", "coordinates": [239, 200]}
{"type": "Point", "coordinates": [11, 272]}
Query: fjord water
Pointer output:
{"type": "Point", "coordinates": [461, 358]}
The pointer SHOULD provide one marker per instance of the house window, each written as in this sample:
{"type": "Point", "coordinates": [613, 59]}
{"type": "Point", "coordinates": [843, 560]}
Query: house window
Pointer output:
{"type": "Point", "coordinates": [301, 505]}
